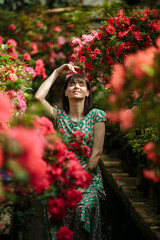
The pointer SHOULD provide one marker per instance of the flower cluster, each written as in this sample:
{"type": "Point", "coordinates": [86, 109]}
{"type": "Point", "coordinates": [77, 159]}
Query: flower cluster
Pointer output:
{"type": "Point", "coordinates": [78, 146]}
{"type": "Point", "coordinates": [96, 52]}
{"type": "Point", "coordinates": [15, 76]}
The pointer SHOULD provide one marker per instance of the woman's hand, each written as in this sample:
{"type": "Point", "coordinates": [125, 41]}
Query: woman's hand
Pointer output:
{"type": "Point", "coordinates": [66, 69]}
{"type": "Point", "coordinates": [81, 189]}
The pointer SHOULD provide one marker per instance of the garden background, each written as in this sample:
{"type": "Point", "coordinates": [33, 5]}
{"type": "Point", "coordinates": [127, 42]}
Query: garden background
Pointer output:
{"type": "Point", "coordinates": [117, 46]}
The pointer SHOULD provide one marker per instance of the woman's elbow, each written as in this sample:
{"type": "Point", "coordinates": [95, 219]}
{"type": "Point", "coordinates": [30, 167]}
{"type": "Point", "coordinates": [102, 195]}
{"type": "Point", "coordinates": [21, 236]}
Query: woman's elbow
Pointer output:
{"type": "Point", "coordinates": [37, 98]}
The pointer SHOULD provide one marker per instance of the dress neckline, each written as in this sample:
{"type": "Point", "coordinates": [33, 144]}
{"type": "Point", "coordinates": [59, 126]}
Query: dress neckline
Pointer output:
{"type": "Point", "coordinates": [80, 119]}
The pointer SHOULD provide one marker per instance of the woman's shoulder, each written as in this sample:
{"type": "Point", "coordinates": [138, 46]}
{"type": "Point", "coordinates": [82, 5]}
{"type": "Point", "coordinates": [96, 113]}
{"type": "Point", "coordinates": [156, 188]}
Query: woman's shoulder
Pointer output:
{"type": "Point", "coordinates": [60, 112]}
{"type": "Point", "coordinates": [97, 111]}
{"type": "Point", "coordinates": [98, 115]}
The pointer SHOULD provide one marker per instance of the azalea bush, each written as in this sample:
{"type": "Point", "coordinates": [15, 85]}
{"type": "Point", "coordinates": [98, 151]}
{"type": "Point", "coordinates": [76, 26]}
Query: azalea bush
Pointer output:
{"type": "Point", "coordinates": [109, 58]}
{"type": "Point", "coordinates": [115, 39]}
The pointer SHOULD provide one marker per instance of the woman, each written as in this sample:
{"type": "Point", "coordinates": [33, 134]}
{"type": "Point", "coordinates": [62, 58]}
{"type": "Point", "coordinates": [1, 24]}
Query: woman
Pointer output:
{"type": "Point", "coordinates": [84, 220]}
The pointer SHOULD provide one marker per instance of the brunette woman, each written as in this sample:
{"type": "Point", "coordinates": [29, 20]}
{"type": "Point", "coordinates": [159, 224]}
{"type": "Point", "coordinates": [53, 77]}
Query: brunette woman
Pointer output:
{"type": "Point", "coordinates": [84, 220]}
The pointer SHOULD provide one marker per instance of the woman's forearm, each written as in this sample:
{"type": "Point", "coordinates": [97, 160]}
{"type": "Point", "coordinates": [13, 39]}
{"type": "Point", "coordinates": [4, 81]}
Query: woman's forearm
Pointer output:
{"type": "Point", "coordinates": [94, 160]}
{"type": "Point", "coordinates": [45, 86]}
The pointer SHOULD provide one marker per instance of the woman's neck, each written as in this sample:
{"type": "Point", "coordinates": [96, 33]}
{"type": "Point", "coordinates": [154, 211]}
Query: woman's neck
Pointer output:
{"type": "Point", "coordinates": [76, 109]}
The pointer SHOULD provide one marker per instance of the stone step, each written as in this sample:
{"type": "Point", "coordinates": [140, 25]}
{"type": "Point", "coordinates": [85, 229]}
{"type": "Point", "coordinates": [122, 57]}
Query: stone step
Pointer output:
{"type": "Point", "coordinates": [141, 209]}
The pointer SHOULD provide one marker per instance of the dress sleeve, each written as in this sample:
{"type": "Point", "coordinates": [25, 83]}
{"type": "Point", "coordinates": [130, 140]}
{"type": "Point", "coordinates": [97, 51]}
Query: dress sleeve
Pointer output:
{"type": "Point", "coordinates": [99, 116]}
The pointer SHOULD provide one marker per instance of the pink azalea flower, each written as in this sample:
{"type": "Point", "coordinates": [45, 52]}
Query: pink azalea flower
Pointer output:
{"type": "Point", "coordinates": [57, 29]}
{"type": "Point", "coordinates": [11, 42]}
{"type": "Point", "coordinates": [34, 48]}
{"type": "Point", "coordinates": [6, 107]}
{"type": "Point", "coordinates": [118, 77]}
{"type": "Point", "coordinates": [126, 118]}
{"type": "Point", "coordinates": [12, 77]}
{"type": "Point", "coordinates": [61, 40]}
{"type": "Point", "coordinates": [26, 56]}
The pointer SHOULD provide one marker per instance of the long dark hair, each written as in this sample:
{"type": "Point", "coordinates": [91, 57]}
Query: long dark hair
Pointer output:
{"type": "Point", "coordinates": [88, 100]}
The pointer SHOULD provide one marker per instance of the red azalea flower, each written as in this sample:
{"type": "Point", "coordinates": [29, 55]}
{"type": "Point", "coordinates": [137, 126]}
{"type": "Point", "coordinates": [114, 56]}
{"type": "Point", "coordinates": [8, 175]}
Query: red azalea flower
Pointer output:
{"type": "Point", "coordinates": [73, 198]}
{"type": "Point", "coordinates": [148, 41]}
{"type": "Point", "coordinates": [84, 179]}
{"type": "Point", "coordinates": [110, 29]}
{"type": "Point", "coordinates": [99, 36]}
{"type": "Point", "coordinates": [97, 51]}
{"type": "Point", "coordinates": [120, 50]}
{"type": "Point", "coordinates": [64, 234]}
{"type": "Point", "coordinates": [137, 35]}
{"type": "Point", "coordinates": [44, 125]}
{"type": "Point", "coordinates": [82, 58]}
{"type": "Point", "coordinates": [55, 173]}
{"type": "Point", "coordinates": [80, 52]}
{"type": "Point", "coordinates": [93, 56]}
{"type": "Point", "coordinates": [78, 134]}
{"type": "Point", "coordinates": [57, 208]}
{"type": "Point", "coordinates": [89, 66]}
{"type": "Point", "coordinates": [86, 150]}
{"type": "Point", "coordinates": [70, 155]}
{"type": "Point", "coordinates": [122, 34]}
{"type": "Point", "coordinates": [74, 145]}
{"type": "Point", "coordinates": [126, 20]}
{"type": "Point", "coordinates": [111, 21]}
{"type": "Point", "coordinates": [12, 27]}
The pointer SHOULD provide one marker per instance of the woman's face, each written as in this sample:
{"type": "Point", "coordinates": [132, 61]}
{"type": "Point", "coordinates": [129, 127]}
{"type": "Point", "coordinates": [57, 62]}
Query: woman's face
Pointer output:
{"type": "Point", "coordinates": [77, 89]}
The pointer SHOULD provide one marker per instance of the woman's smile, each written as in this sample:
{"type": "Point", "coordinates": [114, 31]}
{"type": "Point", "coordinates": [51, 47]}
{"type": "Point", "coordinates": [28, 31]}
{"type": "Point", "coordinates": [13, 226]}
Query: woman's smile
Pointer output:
{"type": "Point", "coordinates": [76, 91]}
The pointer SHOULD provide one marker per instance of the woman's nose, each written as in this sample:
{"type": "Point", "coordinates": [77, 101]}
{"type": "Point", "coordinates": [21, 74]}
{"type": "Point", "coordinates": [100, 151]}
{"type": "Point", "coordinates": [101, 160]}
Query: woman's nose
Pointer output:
{"type": "Point", "coordinates": [77, 85]}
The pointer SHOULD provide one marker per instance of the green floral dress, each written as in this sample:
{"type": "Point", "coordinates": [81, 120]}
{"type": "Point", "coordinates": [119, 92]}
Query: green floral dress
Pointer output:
{"type": "Point", "coordinates": [87, 214]}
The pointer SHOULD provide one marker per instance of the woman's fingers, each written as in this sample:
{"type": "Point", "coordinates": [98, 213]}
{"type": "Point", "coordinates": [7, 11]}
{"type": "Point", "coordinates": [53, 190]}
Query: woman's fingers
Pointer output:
{"type": "Point", "coordinates": [67, 69]}
{"type": "Point", "coordinates": [72, 68]}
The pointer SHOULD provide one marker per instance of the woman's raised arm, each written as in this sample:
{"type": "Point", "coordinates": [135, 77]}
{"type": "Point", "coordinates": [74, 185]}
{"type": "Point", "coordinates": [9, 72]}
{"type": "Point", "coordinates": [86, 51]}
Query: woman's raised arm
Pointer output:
{"type": "Point", "coordinates": [43, 90]}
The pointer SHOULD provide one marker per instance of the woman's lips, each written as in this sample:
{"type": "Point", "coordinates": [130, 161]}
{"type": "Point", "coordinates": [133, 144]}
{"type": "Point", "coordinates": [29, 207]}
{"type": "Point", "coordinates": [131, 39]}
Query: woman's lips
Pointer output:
{"type": "Point", "coordinates": [76, 92]}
